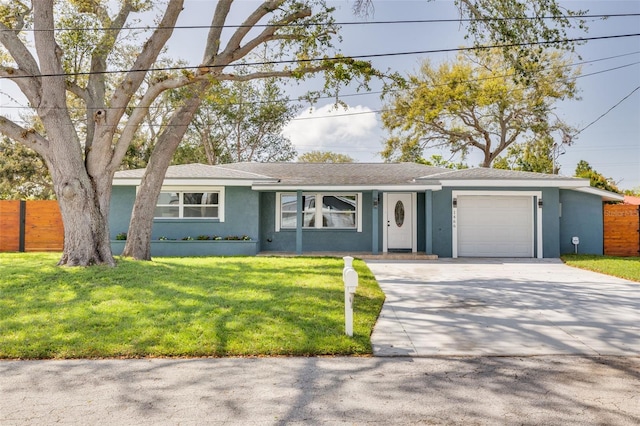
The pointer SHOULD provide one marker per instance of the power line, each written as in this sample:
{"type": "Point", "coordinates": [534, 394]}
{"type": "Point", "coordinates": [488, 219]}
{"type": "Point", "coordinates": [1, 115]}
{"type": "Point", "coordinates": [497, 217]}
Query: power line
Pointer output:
{"type": "Point", "coordinates": [607, 111]}
{"type": "Point", "coordinates": [347, 23]}
{"type": "Point", "coordinates": [443, 84]}
{"type": "Point", "coordinates": [332, 59]}
{"type": "Point", "coordinates": [468, 81]}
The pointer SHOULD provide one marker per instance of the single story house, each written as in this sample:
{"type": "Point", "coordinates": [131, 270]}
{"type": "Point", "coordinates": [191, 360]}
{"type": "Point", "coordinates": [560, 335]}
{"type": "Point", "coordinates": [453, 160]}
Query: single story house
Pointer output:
{"type": "Point", "coordinates": [373, 208]}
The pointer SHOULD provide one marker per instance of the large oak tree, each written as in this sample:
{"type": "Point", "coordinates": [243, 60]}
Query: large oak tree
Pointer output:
{"type": "Point", "coordinates": [91, 112]}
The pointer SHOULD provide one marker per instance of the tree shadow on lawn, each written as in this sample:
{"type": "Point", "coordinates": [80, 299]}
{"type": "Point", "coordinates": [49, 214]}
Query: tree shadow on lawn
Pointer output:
{"type": "Point", "coordinates": [199, 307]}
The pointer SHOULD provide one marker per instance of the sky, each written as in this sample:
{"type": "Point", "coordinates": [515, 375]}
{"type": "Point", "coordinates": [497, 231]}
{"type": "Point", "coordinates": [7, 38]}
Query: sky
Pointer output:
{"type": "Point", "coordinates": [611, 145]}
{"type": "Point", "coordinates": [610, 141]}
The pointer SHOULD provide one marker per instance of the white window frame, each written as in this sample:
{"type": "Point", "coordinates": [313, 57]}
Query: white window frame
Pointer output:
{"type": "Point", "coordinates": [195, 189]}
{"type": "Point", "coordinates": [318, 223]}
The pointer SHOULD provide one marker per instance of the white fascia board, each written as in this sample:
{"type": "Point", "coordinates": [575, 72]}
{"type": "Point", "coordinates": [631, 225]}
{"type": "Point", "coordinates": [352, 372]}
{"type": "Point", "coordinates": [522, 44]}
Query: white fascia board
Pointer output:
{"type": "Point", "coordinates": [505, 183]}
{"type": "Point", "coordinates": [188, 182]}
{"type": "Point", "coordinates": [335, 188]}
{"type": "Point", "coordinates": [127, 182]}
{"type": "Point", "coordinates": [606, 195]}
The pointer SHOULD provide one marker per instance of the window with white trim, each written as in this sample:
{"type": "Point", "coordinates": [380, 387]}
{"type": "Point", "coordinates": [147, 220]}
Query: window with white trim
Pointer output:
{"type": "Point", "coordinates": [320, 211]}
{"type": "Point", "coordinates": [189, 204]}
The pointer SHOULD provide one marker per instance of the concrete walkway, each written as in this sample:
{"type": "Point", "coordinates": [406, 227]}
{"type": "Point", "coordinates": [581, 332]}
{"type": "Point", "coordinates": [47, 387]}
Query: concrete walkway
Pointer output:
{"type": "Point", "coordinates": [503, 307]}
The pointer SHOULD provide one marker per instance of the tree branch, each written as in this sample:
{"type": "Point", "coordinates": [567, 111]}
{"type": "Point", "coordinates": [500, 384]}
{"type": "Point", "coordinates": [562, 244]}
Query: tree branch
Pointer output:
{"type": "Point", "coordinates": [217, 24]}
{"type": "Point", "coordinates": [267, 35]}
{"type": "Point", "coordinates": [139, 113]}
{"type": "Point", "coordinates": [27, 69]}
{"type": "Point", "coordinates": [260, 12]}
{"type": "Point", "coordinates": [145, 59]}
{"type": "Point", "coordinates": [27, 137]}
{"type": "Point", "coordinates": [95, 94]}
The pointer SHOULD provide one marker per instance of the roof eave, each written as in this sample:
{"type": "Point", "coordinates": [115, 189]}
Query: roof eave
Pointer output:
{"type": "Point", "coordinates": [604, 194]}
{"type": "Point", "coordinates": [517, 183]}
{"type": "Point", "coordinates": [325, 188]}
{"type": "Point", "coordinates": [191, 182]}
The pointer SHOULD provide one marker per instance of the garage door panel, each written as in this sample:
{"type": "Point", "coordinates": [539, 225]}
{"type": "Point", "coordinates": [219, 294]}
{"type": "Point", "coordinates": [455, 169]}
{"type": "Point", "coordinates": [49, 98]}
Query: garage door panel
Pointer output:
{"type": "Point", "coordinates": [495, 226]}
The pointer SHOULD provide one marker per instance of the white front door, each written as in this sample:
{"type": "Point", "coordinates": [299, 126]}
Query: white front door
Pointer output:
{"type": "Point", "coordinates": [399, 214]}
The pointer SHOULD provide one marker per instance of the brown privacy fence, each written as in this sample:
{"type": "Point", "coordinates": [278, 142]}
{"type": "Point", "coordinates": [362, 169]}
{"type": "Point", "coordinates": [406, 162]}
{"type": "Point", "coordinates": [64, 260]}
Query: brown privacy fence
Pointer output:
{"type": "Point", "coordinates": [30, 226]}
{"type": "Point", "coordinates": [621, 230]}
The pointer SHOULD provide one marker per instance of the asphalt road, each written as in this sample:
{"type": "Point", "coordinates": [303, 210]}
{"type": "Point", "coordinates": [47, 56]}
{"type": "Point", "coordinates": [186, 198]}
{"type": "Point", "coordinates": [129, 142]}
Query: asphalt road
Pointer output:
{"type": "Point", "coordinates": [545, 390]}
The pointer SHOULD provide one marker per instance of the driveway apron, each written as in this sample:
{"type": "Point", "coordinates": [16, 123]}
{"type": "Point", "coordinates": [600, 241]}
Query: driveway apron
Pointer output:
{"type": "Point", "coordinates": [503, 307]}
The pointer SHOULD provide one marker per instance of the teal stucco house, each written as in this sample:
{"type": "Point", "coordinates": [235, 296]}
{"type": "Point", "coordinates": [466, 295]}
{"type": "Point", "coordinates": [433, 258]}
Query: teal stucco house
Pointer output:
{"type": "Point", "coordinates": [372, 208]}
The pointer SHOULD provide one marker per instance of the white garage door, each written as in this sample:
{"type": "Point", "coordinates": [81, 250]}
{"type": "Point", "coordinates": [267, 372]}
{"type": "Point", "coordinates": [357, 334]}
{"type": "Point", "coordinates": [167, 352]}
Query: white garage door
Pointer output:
{"type": "Point", "coordinates": [495, 226]}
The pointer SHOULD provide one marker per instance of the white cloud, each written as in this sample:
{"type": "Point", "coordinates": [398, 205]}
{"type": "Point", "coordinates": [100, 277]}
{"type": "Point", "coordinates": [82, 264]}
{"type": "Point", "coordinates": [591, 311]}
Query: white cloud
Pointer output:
{"type": "Point", "coordinates": [354, 131]}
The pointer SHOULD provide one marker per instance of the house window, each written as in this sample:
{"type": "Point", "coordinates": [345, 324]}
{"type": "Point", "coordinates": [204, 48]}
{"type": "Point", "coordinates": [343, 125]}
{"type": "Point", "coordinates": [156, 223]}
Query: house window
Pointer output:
{"type": "Point", "coordinates": [320, 211]}
{"type": "Point", "coordinates": [190, 204]}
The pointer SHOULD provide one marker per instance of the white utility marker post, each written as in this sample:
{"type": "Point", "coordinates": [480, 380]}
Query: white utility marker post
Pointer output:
{"type": "Point", "coordinates": [350, 278]}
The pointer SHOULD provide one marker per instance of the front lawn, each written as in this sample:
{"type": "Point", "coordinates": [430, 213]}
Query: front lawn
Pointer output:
{"type": "Point", "coordinates": [199, 306]}
{"type": "Point", "coordinates": [623, 267]}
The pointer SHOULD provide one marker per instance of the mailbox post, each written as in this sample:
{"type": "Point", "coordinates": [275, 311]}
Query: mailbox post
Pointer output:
{"type": "Point", "coordinates": [350, 278]}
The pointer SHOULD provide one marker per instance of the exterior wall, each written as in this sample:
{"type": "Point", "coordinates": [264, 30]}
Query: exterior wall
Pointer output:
{"type": "Point", "coordinates": [442, 227]}
{"type": "Point", "coordinates": [242, 212]}
{"type": "Point", "coordinates": [551, 222]}
{"type": "Point", "coordinates": [314, 239]}
{"type": "Point", "coordinates": [581, 217]}
{"type": "Point", "coordinates": [122, 199]}
{"type": "Point", "coordinates": [565, 214]}
{"type": "Point", "coordinates": [421, 222]}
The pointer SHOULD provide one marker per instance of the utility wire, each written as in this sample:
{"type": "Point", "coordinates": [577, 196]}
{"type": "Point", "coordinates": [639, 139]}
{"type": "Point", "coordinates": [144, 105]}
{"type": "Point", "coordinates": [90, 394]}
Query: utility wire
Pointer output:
{"type": "Point", "coordinates": [332, 59]}
{"type": "Point", "coordinates": [500, 76]}
{"type": "Point", "coordinates": [607, 111]}
{"type": "Point", "coordinates": [348, 23]}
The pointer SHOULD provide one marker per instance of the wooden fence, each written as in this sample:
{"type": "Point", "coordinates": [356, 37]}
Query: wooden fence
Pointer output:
{"type": "Point", "coordinates": [30, 226]}
{"type": "Point", "coordinates": [621, 230]}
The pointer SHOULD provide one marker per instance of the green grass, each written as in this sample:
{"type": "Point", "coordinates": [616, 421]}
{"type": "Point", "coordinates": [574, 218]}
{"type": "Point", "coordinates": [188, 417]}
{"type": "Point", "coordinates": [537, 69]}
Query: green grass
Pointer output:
{"type": "Point", "coordinates": [623, 267]}
{"type": "Point", "coordinates": [174, 307]}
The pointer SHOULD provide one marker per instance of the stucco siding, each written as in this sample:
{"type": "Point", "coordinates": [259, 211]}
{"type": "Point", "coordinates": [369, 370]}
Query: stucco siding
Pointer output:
{"type": "Point", "coordinates": [550, 223]}
{"type": "Point", "coordinates": [241, 206]}
{"type": "Point", "coordinates": [122, 199]}
{"type": "Point", "coordinates": [582, 218]}
{"type": "Point", "coordinates": [442, 230]}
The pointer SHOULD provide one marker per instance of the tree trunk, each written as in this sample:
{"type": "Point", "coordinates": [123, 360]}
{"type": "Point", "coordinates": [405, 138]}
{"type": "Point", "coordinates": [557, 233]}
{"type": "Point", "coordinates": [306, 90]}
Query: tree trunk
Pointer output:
{"type": "Point", "coordinates": [86, 226]}
{"type": "Point", "coordinates": [138, 245]}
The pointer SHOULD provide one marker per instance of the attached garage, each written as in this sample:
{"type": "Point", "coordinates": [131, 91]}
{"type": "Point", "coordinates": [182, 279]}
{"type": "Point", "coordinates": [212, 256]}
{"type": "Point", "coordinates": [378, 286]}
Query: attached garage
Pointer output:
{"type": "Point", "coordinates": [494, 224]}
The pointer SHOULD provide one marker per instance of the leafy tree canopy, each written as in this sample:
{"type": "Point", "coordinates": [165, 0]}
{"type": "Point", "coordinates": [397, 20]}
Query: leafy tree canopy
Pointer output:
{"type": "Point", "coordinates": [475, 104]}
{"type": "Point", "coordinates": [597, 180]}
{"type": "Point", "coordinates": [23, 174]}
{"type": "Point", "coordinates": [437, 160]}
{"type": "Point", "coordinates": [523, 29]}
{"type": "Point", "coordinates": [324, 157]}
{"type": "Point", "coordinates": [239, 121]}
{"type": "Point", "coordinates": [535, 156]}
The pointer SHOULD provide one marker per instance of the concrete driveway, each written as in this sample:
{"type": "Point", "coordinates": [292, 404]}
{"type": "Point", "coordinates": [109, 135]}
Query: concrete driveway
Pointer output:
{"type": "Point", "coordinates": [503, 307]}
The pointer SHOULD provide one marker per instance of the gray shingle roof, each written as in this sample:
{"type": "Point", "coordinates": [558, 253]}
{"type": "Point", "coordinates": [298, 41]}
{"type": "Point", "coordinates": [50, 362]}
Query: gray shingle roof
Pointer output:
{"type": "Point", "coordinates": [333, 174]}
{"type": "Point", "coordinates": [339, 173]}
{"type": "Point", "coordinates": [195, 171]}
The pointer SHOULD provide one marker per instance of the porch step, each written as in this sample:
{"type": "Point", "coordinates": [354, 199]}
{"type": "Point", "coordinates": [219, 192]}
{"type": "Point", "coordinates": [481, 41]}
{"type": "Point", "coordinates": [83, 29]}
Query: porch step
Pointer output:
{"type": "Point", "coordinates": [357, 255]}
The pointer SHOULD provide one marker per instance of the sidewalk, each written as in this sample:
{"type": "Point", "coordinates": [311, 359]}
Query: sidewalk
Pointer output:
{"type": "Point", "coordinates": [569, 390]}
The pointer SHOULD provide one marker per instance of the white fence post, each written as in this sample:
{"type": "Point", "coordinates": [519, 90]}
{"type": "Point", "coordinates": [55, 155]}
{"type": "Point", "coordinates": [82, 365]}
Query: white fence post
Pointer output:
{"type": "Point", "coordinates": [350, 278]}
